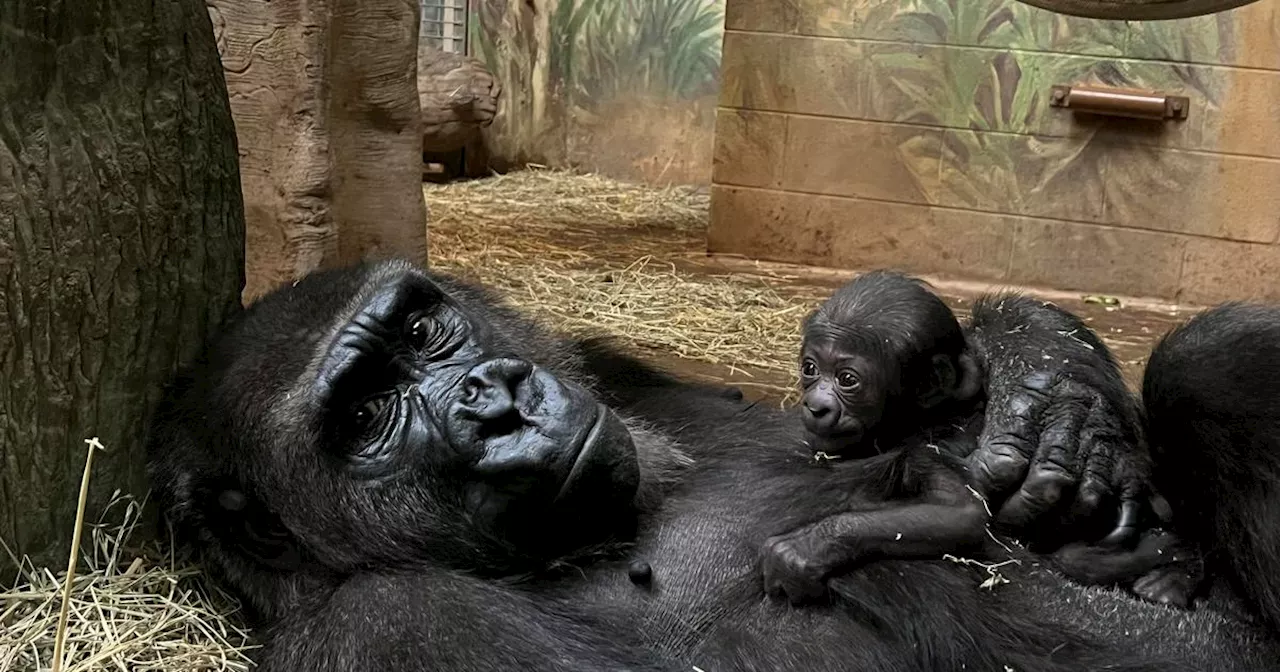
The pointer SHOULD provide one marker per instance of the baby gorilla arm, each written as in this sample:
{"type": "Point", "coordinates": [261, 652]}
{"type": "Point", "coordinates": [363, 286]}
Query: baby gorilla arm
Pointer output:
{"type": "Point", "coordinates": [946, 518]}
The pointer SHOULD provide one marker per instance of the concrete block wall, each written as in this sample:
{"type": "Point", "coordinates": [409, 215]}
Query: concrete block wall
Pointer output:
{"type": "Point", "coordinates": [917, 134]}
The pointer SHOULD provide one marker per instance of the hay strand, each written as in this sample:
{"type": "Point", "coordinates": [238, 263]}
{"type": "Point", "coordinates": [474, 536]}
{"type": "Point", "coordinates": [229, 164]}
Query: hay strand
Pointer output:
{"type": "Point", "coordinates": [60, 639]}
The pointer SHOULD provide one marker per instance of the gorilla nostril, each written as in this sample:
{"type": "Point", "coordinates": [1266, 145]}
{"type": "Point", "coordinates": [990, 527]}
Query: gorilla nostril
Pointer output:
{"type": "Point", "coordinates": [490, 388]}
{"type": "Point", "coordinates": [818, 411]}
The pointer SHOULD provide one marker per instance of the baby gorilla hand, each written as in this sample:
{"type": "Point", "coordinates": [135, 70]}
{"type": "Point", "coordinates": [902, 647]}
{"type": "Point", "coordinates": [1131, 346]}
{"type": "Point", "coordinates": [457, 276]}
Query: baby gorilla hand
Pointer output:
{"type": "Point", "coordinates": [793, 567]}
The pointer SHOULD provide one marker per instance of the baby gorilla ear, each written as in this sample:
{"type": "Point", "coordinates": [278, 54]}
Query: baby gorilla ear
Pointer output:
{"type": "Point", "coordinates": [943, 379]}
{"type": "Point", "coordinates": [957, 380]}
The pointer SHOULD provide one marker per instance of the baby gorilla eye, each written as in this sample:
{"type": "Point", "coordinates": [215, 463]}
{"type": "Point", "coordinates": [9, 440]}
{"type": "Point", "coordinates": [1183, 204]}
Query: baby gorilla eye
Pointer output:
{"type": "Point", "coordinates": [808, 369]}
{"type": "Point", "coordinates": [848, 380]}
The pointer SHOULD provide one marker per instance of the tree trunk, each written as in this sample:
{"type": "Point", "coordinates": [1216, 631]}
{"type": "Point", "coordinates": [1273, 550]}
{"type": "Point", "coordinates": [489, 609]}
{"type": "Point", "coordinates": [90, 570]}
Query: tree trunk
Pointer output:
{"type": "Point", "coordinates": [121, 241]}
{"type": "Point", "coordinates": [325, 99]}
{"type": "Point", "coordinates": [540, 78]}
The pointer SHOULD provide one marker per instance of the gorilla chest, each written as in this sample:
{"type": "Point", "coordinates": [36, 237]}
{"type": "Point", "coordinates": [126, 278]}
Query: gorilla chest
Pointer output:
{"type": "Point", "coordinates": [703, 562]}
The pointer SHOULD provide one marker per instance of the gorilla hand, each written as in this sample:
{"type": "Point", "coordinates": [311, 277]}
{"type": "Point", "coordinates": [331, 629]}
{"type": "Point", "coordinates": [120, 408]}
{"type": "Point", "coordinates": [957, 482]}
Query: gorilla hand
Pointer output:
{"type": "Point", "coordinates": [792, 566]}
{"type": "Point", "coordinates": [1062, 440]}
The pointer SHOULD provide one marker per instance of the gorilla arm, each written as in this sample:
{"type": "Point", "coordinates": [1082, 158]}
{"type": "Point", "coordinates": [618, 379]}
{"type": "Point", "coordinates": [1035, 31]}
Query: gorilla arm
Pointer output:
{"type": "Point", "coordinates": [945, 517]}
{"type": "Point", "coordinates": [432, 619]}
{"type": "Point", "coordinates": [1062, 436]}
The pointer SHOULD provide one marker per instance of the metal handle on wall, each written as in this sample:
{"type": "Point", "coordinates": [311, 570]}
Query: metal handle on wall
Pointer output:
{"type": "Point", "coordinates": [1120, 102]}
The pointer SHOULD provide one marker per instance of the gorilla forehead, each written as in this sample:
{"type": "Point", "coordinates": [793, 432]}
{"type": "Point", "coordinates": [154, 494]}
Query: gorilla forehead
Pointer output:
{"type": "Point", "coordinates": [307, 317]}
{"type": "Point", "coordinates": [282, 342]}
{"type": "Point", "coordinates": [885, 309]}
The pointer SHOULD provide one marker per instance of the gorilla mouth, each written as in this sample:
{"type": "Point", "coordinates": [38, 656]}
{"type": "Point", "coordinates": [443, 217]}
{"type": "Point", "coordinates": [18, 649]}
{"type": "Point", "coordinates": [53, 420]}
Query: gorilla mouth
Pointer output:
{"type": "Point", "coordinates": [584, 450]}
{"type": "Point", "coordinates": [842, 444]}
{"type": "Point", "coordinates": [605, 473]}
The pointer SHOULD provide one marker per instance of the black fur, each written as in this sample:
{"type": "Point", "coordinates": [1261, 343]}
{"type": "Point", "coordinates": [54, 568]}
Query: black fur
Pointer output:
{"type": "Point", "coordinates": [882, 357]}
{"type": "Point", "coordinates": [1062, 438]}
{"type": "Point", "coordinates": [1212, 397]}
{"type": "Point", "coordinates": [884, 368]}
{"type": "Point", "coordinates": [356, 565]}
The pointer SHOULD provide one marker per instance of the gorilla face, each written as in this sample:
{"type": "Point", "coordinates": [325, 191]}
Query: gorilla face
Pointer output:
{"type": "Point", "coordinates": [846, 384]}
{"type": "Point", "coordinates": [406, 427]}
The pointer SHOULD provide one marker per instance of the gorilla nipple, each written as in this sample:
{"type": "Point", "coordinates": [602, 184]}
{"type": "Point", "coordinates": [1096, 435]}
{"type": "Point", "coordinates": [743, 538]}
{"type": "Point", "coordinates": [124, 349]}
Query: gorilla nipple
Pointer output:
{"type": "Point", "coordinates": [640, 573]}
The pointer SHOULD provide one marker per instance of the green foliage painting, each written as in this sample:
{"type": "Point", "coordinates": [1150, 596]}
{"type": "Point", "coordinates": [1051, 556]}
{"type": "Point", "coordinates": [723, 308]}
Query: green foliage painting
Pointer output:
{"type": "Point", "coordinates": [980, 70]}
{"type": "Point", "coordinates": [983, 69]}
{"type": "Point", "coordinates": [602, 49]}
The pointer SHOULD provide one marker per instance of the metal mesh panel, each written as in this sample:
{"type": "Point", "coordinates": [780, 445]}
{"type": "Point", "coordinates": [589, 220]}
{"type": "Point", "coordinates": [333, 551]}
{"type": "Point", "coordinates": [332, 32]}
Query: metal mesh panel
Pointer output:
{"type": "Point", "coordinates": [444, 25]}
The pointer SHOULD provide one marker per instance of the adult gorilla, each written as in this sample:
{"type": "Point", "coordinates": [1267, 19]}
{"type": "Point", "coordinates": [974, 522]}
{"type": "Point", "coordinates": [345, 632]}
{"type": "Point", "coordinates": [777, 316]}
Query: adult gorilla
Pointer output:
{"type": "Point", "coordinates": [397, 474]}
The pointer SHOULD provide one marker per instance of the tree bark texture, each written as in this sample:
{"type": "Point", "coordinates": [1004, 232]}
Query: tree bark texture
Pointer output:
{"type": "Point", "coordinates": [325, 99]}
{"type": "Point", "coordinates": [121, 242]}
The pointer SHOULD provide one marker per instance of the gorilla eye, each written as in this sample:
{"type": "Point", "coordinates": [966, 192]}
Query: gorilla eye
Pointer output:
{"type": "Point", "coordinates": [423, 333]}
{"type": "Point", "coordinates": [367, 412]}
{"type": "Point", "coordinates": [848, 380]}
{"type": "Point", "coordinates": [808, 369]}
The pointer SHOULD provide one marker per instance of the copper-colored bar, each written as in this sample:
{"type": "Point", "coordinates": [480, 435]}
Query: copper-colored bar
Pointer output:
{"type": "Point", "coordinates": [1119, 102]}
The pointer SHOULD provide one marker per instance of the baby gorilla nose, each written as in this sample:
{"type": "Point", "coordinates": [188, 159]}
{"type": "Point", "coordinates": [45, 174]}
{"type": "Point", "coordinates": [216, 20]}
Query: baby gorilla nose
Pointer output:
{"type": "Point", "coordinates": [491, 388]}
{"type": "Point", "coordinates": [821, 414]}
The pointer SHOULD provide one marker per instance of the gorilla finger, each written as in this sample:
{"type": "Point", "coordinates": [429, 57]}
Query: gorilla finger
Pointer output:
{"type": "Point", "coordinates": [1127, 528]}
{"type": "Point", "coordinates": [999, 465]}
{"type": "Point", "coordinates": [1136, 503]}
{"type": "Point", "coordinates": [1053, 470]}
{"type": "Point", "coordinates": [1040, 494]}
{"type": "Point", "coordinates": [1007, 442]}
{"type": "Point", "coordinates": [1095, 501]}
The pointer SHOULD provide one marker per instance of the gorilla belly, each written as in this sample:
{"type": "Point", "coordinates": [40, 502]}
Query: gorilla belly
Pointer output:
{"type": "Point", "coordinates": [705, 605]}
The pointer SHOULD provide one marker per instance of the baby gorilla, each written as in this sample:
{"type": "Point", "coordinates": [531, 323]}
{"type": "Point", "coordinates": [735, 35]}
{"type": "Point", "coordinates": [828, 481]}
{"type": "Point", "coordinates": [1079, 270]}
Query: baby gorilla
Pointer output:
{"type": "Point", "coordinates": [884, 364]}
{"type": "Point", "coordinates": [889, 385]}
{"type": "Point", "coordinates": [882, 357]}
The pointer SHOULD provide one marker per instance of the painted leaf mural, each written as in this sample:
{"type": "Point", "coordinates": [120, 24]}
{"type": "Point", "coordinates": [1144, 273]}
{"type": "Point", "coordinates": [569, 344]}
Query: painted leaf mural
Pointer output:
{"type": "Point", "coordinates": [983, 71]}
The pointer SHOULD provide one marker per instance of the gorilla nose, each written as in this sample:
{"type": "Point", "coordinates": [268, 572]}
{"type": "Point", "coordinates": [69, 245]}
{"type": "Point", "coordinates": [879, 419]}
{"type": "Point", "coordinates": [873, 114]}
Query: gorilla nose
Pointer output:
{"type": "Point", "coordinates": [820, 415]}
{"type": "Point", "coordinates": [490, 389]}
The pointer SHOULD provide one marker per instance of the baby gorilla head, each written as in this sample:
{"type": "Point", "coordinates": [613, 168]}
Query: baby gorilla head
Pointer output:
{"type": "Point", "coordinates": [878, 353]}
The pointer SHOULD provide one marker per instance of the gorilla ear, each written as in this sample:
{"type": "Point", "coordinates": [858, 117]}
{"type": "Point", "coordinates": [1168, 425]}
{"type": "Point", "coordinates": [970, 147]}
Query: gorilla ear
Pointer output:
{"type": "Point", "coordinates": [970, 382]}
{"type": "Point", "coordinates": [244, 525]}
{"type": "Point", "coordinates": [942, 382]}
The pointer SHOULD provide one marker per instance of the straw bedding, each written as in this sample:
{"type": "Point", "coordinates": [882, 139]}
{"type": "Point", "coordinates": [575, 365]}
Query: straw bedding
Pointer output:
{"type": "Point", "coordinates": [593, 255]}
